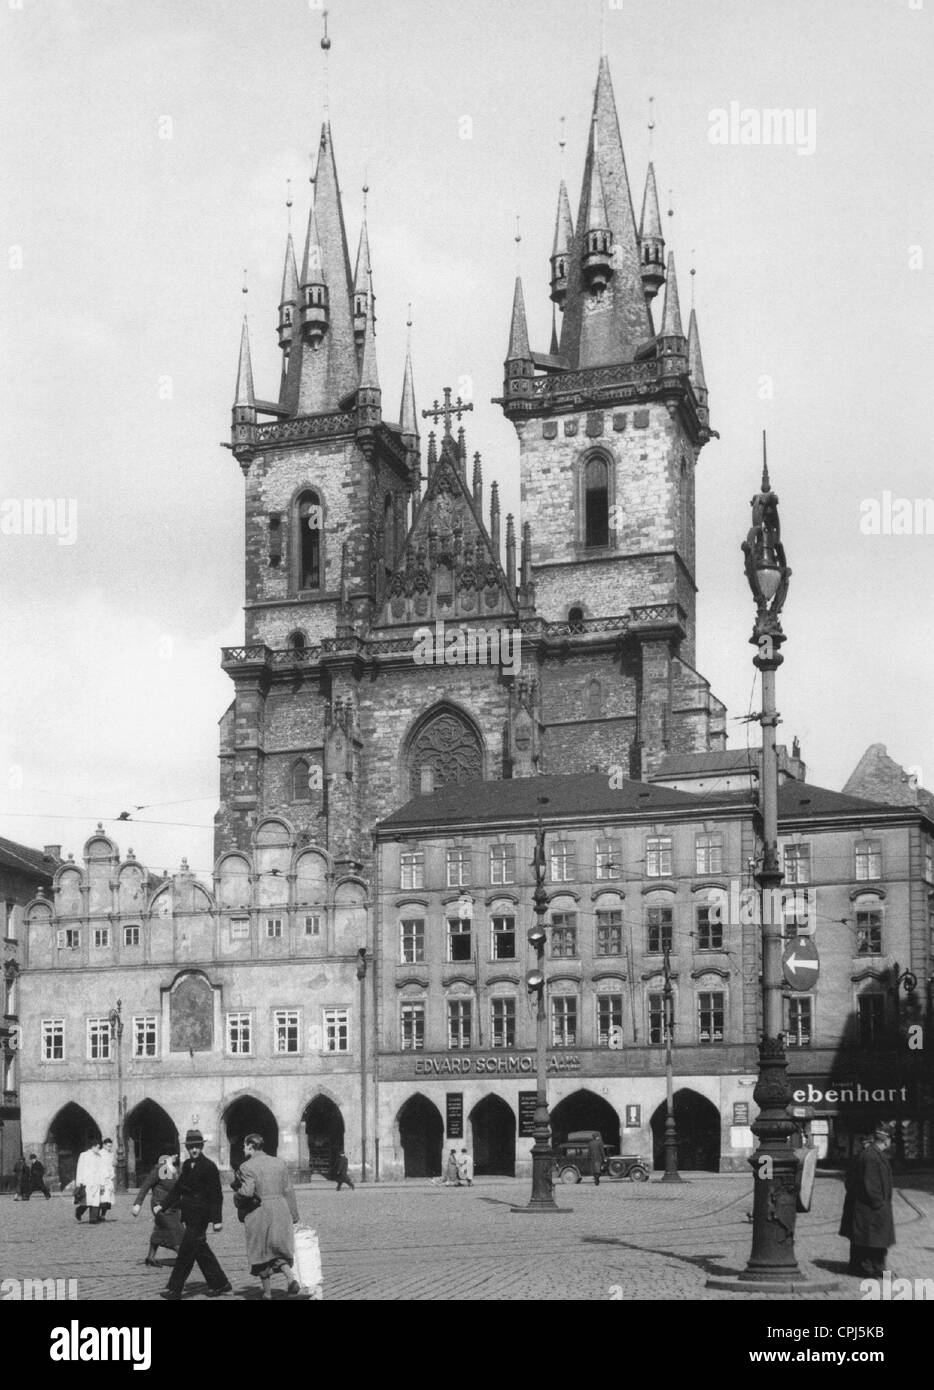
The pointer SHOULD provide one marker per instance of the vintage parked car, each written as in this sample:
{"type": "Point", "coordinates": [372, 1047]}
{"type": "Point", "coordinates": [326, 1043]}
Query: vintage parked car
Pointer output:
{"type": "Point", "coordinates": [573, 1161]}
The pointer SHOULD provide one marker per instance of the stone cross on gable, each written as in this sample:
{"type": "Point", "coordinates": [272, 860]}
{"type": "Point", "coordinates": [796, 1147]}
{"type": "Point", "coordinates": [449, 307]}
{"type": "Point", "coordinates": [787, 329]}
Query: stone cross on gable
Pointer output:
{"type": "Point", "coordinates": [448, 410]}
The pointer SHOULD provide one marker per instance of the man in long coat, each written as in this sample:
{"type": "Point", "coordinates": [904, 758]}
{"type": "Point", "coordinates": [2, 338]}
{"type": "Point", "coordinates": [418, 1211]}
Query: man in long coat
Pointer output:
{"type": "Point", "coordinates": [199, 1194]}
{"type": "Point", "coordinates": [90, 1176]}
{"type": "Point", "coordinates": [597, 1156]}
{"type": "Point", "coordinates": [867, 1210]}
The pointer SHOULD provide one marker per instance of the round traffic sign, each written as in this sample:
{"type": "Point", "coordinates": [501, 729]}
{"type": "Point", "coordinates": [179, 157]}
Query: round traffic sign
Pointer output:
{"type": "Point", "coordinates": [800, 963]}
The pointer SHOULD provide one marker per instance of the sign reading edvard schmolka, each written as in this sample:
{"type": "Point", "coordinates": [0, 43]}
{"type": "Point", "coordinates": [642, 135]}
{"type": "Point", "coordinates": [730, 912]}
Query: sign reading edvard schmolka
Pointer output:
{"type": "Point", "coordinates": [191, 1015]}
{"type": "Point", "coordinates": [509, 1064]}
{"type": "Point", "coordinates": [454, 1105]}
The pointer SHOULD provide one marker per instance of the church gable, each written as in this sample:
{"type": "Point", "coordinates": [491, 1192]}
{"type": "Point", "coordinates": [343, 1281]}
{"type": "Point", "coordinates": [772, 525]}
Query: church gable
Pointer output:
{"type": "Point", "coordinates": [448, 570]}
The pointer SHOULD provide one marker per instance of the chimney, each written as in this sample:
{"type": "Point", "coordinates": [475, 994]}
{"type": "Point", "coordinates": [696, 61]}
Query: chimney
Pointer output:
{"type": "Point", "coordinates": [52, 851]}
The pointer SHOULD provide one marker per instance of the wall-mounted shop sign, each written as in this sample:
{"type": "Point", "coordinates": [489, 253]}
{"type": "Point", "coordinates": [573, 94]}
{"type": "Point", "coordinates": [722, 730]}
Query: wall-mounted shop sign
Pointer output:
{"type": "Point", "coordinates": [527, 1101]}
{"type": "Point", "coordinates": [506, 1064]}
{"type": "Point", "coordinates": [633, 1116]}
{"type": "Point", "coordinates": [454, 1105]}
{"type": "Point", "coordinates": [826, 1094]}
{"type": "Point", "coordinates": [741, 1112]}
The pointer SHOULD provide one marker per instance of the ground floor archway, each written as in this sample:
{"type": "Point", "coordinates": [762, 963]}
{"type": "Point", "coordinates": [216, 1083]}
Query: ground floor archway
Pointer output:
{"type": "Point", "coordinates": [148, 1133]}
{"type": "Point", "coordinates": [585, 1110]}
{"type": "Point", "coordinates": [324, 1134]}
{"type": "Point", "coordinates": [421, 1134]}
{"type": "Point", "coordinates": [493, 1131]}
{"type": "Point", "coordinates": [697, 1121]}
{"type": "Point", "coordinates": [247, 1115]}
{"type": "Point", "coordinates": [71, 1132]}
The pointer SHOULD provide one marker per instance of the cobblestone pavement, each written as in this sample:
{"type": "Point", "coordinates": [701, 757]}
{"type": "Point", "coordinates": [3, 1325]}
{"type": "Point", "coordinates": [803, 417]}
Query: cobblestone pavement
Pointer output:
{"type": "Point", "coordinates": [415, 1240]}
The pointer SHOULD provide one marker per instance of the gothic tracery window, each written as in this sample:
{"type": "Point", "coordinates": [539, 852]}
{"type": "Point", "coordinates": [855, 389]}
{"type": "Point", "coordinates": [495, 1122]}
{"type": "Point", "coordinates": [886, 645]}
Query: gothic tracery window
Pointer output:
{"type": "Point", "coordinates": [596, 502]}
{"type": "Point", "coordinates": [450, 748]}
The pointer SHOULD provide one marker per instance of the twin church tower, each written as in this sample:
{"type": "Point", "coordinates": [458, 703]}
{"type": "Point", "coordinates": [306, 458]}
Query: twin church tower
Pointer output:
{"type": "Point", "coordinates": [356, 537]}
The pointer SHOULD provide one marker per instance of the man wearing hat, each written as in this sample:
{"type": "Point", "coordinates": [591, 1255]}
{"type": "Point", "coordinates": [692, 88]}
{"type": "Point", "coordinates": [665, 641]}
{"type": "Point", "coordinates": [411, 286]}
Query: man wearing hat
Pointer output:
{"type": "Point", "coordinates": [199, 1194]}
{"type": "Point", "coordinates": [867, 1210]}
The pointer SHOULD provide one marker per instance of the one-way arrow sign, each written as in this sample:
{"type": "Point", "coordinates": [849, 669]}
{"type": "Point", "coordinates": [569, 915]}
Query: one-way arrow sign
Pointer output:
{"type": "Point", "coordinates": [800, 963]}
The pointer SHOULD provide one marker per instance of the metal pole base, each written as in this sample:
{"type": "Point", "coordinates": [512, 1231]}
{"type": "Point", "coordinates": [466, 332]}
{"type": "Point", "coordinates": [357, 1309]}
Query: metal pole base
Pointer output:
{"type": "Point", "coordinates": [746, 1283]}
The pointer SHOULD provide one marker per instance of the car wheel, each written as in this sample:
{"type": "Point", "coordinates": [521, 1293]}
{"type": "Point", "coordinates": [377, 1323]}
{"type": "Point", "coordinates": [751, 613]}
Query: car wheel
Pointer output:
{"type": "Point", "coordinates": [617, 1170]}
{"type": "Point", "coordinates": [638, 1175]}
{"type": "Point", "coordinates": [569, 1174]}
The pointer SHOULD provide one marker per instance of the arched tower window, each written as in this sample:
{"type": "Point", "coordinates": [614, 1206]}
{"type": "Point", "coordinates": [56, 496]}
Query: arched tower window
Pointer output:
{"type": "Point", "coordinates": [301, 790]}
{"type": "Point", "coordinates": [309, 528]}
{"type": "Point", "coordinates": [445, 749]}
{"type": "Point", "coordinates": [297, 643]}
{"type": "Point", "coordinates": [596, 502]}
{"type": "Point", "coordinates": [576, 619]}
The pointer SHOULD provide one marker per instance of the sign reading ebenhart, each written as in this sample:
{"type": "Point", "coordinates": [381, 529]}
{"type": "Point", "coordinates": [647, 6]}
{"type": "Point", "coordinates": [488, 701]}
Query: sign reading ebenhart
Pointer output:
{"type": "Point", "coordinates": [846, 1093]}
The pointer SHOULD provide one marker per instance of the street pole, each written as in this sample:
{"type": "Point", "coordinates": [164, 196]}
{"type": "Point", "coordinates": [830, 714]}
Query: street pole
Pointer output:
{"type": "Point", "coordinates": [116, 1032]}
{"type": "Point", "coordinates": [543, 1197]}
{"type": "Point", "coordinates": [361, 976]}
{"type": "Point", "coordinates": [671, 1133]}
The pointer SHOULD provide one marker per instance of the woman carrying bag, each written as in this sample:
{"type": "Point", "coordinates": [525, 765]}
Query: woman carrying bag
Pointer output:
{"type": "Point", "coordinates": [166, 1226]}
{"type": "Point", "coordinates": [265, 1203]}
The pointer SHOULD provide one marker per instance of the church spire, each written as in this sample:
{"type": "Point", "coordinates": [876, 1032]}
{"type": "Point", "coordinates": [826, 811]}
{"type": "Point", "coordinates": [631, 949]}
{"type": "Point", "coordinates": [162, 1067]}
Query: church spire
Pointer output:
{"type": "Point", "coordinates": [671, 315]}
{"type": "Point", "coordinates": [518, 330]}
{"type": "Point", "coordinates": [561, 250]}
{"type": "Point", "coordinates": [651, 240]}
{"type": "Point", "coordinates": [363, 281]}
{"type": "Point", "coordinates": [243, 415]}
{"type": "Point", "coordinates": [245, 395]}
{"type": "Point", "coordinates": [369, 375]}
{"type": "Point", "coordinates": [696, 368]}
{"type": "Point", "coordinates": [612, 336]}
{"type": "Point", "coordinates": [288, 298]}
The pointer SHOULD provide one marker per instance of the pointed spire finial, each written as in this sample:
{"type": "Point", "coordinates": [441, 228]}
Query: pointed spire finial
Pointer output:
{"type": "Point", "coordinates": [245, 287]}
{"type": "Point", "coordinates": [602, 4]}
{"type": "Point", "coordinates": [651, 123]}
{"type": "Point", "coordinates": [766, 485]}
{"type": "Point", "coordinates": [562, 140]}
{"type": "Point", "coordinates": [326, 45]}
{"type": "Point", "coordinates": [288, 202]}
{"type": "Point", "coordinates": [671, 208]}
{"type": "Point", "coordinates": [693, 273]}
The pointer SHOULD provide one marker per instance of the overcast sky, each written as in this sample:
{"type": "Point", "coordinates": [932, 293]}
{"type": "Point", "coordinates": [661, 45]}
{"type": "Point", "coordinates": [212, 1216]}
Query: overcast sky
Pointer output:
{"type": "Point", "coordinates": [145, 155]}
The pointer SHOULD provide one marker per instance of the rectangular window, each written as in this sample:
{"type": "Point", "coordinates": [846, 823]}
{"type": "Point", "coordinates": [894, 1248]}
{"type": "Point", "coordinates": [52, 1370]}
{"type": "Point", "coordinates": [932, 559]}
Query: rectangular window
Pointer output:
{"type": "Point", "coordinates": [460, 939]}
{"type": "Point", "coordinates": [337, 1030]}
{"type": "Point", "coordinates": [870, 1019]}
{"type": "Point", "coordinates": [131, 936]}
{"type": "Point", "coordinates": [710, 1017]}
{"type": "Point", "coordinates": [412, 940]}
{"type": "Point", "coordinates": [273, 928]}
{"type": "Point", "coordinates": [609, 863]}
{"type": "Point", "coordinates": [798, 1020]}
{"type": "Point", "coordinates": [412, 1020]}
{"type": "Point", "coordinates": [796, 916]}
{"type": "Point", "coordinates": [658, 930]}
{"type": "Point", "coordinates": [564, 1020]}
{"type": "Point", "coordinates": [239, 928]}
{"type": "Point", "coordinates": [868, 860]}
{"type": "Point", "coordinates": [412, 867]}
{"type": "Point", "coordinates": [98, 1039]}
{"type": "Point", "coordinates": [53, 1040]}
{"type": "Point", "coordinates": [658, 857]}
{"type": "Point", "coordinates": [563, 934]}
{"type": "Point", "coordinates": [609, 1020]}
{"type": "Point", "coordinates": [797, 863]}
{"type": "Point", "coordinates": [458, 861]}
{"type": "Point", "coordinates": [502, 1022]}
{"type": "Point", "coordinates": [69, 939]}
{"type": "Point", "coordinates": [502, 863]}
{"type": "Point", "coordinates": [610, 932]}
{"type": "Point", "coordinates": [144, 1035]}
{"type": "Point", "coordinates": [708, 854]}
{"type": "Point", "coordinates": [504, 938]}
{"type": "Point", "coordinates": [312, 924]}
{"type": "Point", "coordinates": [285, 1032]}
{"type": "Point", "coordinates": [563, 861]}
{"type": "Point", "coordinates": [101, 938]}
{"type": "Point", "coordinates": [459, 1018]}
{"type": "Point", "coordinates": [709, 932]}
{"type": "Point", "coordinates": [929, 860]}
{"type": "Point", "coordinates": [240, 1034]}
{"type": "Point", "coordinates": [869, 933]}
{"type": "Point", "coordinates": [657, 1020]}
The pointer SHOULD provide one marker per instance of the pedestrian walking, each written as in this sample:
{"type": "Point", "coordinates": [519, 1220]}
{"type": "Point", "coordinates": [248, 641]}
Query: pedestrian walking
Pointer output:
{"type": "Point", "coordinates": [597, 1156]}
{"type": "Point", "coordinates": [21, 1177]}
{"type": "Point", "coordinates": [36, 1179]}
{"type": "Point", "coordinates": [341, 1172]}
{"type": "Point", "coordinates": [198, 1194]}
{"type": "Point", "coordinates": [465, 1167]}
{"type": "Point", "coordinates": [265, 1201]}
{"type": "Point", "coordinates": [450, 1170]}
{"type": "Point", "coordinates": [108, 1183]}
{"type": "Point", "coordinates": [867, 1209]}
{"type": "Point", "coordinates": [88, 1184]}
{"type": "Point", "coordinates": [166, 1230]}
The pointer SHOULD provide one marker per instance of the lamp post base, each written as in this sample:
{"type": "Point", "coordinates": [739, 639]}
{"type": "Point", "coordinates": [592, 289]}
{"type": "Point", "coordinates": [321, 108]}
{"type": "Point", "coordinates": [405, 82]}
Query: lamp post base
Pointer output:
{"type": "Point", "coordinates": [543, 1195]}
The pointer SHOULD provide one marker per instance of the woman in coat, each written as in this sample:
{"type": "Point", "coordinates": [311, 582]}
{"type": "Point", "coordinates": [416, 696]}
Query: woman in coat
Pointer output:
{"type": "Point", "coordinates": [270, 1244]}
{"type": "Point", "coordinates": [166, 1225]}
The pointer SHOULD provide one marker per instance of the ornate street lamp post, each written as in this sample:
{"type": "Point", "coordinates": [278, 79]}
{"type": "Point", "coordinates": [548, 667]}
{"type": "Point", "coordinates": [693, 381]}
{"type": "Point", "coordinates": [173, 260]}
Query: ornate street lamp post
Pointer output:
{"type": "Point", "coordinates": [116, 1032]}
{"type": "Point", "coordinates": [671, 1133]}
{"type": "Point", "coordinates": [543, 1197]}
{"type": "Point", "coordinates": [774, 1164]}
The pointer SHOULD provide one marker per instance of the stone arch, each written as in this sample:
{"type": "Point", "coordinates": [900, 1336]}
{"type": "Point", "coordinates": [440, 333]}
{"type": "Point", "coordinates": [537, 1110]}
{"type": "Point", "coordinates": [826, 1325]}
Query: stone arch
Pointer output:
{"type": "Point", "coordinates": [242, 1115]}
{"type": "Point", "coordinates": [419, 1132]}
{"type": "Point", "coordinates": [447, 741]}
{"type": "Point", "coordinates": [232, 880]}
{"type": "Point", "coordinates": [583, 1110]}
{"type": "Point", "coordinates": [493, 1134]}
{"type": "Point", "coordinates": [323, 1124]}
{"type": "Point", "coordinates": [71, 1131]}
{"type": "Point", "coordinates": [697, 1124]}
{"type": "Point", "coordinates": [148, 1132]}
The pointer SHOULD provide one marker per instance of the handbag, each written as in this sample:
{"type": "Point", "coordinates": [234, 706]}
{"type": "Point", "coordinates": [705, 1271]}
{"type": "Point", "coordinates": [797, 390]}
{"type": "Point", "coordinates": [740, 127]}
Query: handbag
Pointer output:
{"type": "Point", "coordinates": [80, 1195]}
{"type": "Point", "coordinates": [308, 1262]}
{"type": "Point", "coordinates": [245, 1205]}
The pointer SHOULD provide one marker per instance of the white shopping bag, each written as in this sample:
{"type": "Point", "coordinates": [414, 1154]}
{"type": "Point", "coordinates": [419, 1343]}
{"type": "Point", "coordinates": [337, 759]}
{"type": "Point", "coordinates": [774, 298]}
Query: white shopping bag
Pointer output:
{"type": "Point", "coordinates": [308, 1261]}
